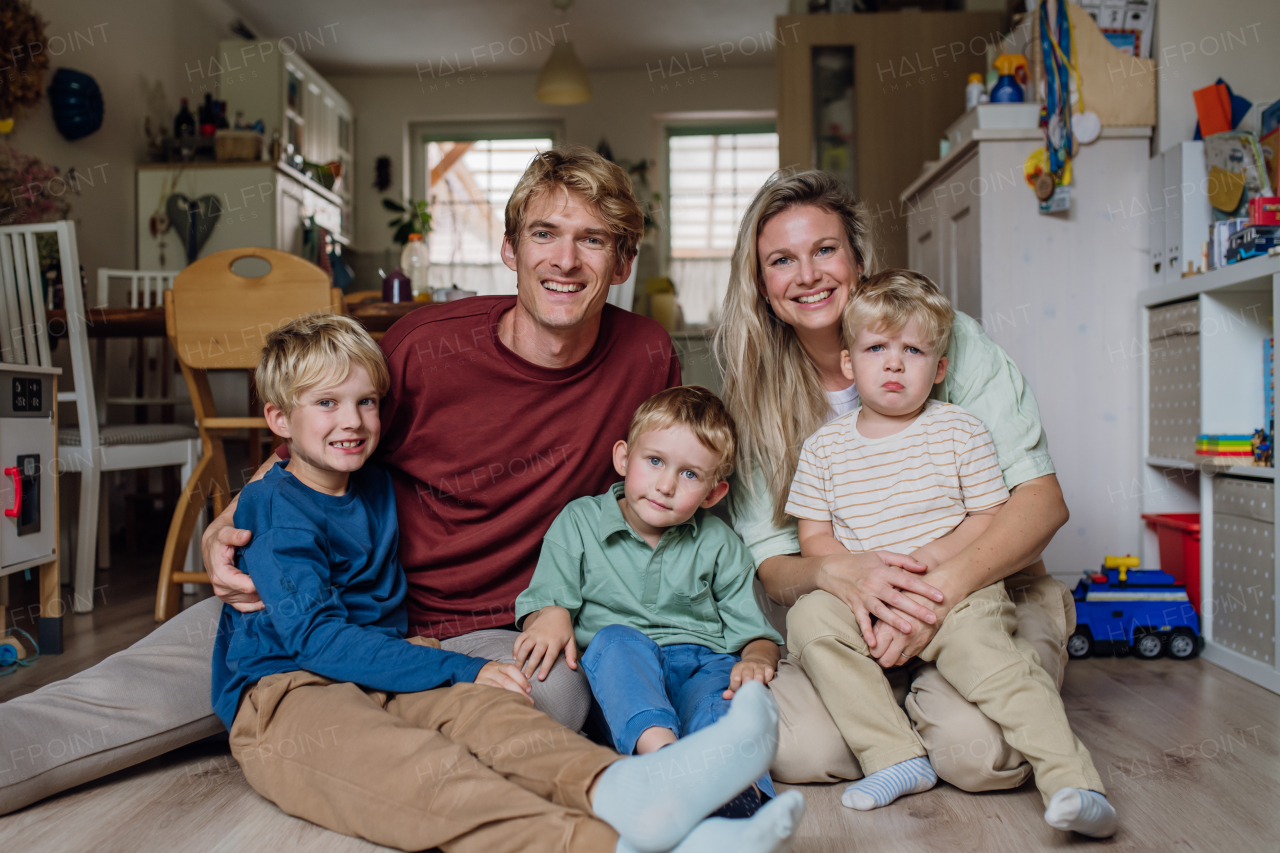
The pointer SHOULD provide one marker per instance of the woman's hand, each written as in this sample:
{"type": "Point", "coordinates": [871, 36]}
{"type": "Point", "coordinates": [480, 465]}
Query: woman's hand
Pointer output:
{"type": "Point", "coordinates": [545, 634]}
{"type": "Point", "coordinates": [875, 583]}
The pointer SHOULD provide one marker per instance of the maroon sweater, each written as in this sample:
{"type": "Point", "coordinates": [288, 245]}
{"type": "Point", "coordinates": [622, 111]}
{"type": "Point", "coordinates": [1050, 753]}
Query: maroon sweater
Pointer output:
{"type": "Point", "coordinates": [485, 449]}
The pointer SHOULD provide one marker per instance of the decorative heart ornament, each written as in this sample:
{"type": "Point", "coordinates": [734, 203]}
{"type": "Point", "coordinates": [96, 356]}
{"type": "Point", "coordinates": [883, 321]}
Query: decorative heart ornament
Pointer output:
{"type": "Point", "coordinates": [183, 213]}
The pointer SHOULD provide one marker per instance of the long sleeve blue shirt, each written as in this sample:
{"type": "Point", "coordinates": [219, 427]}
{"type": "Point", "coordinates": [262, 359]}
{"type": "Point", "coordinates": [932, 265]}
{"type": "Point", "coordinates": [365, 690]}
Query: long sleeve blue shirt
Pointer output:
{"type": "Point", "coordinates": [333, 589]}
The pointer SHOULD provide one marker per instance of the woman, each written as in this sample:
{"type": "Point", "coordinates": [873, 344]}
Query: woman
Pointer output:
{"type": "Point", "coordinates": [804, 244]}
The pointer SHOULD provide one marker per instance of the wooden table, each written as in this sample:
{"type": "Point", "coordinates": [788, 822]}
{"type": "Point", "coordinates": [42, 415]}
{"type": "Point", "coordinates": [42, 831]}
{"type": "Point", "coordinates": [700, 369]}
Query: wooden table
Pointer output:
{"type": "Point", "coordinates": [377, 317]}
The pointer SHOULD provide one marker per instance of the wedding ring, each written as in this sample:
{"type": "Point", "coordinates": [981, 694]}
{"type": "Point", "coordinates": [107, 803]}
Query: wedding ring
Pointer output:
{"type": "Point", "coordinates": [904, 654]}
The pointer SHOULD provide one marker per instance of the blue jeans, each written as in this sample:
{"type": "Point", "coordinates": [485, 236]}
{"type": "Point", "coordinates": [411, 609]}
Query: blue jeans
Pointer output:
{"type": "Point", "coordinates": [639, 684]}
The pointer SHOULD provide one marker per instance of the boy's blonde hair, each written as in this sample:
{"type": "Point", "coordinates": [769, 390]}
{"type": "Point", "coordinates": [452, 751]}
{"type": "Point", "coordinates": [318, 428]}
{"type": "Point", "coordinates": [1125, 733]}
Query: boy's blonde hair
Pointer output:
{"type": "Point", "coordinates": [316, 349]}
{"type": "Point", "coordinates": [891, 299]}
{"type": "Point", "coordinates": [601, 184]}
{"type": "Point", "coordinates": [698, 409]}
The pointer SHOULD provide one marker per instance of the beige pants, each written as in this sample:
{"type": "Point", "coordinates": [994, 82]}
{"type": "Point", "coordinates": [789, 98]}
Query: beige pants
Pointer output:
{"type": "Point", "coordinates": [966, 747]}
{"type": "Point", "coordinates": [465, 768]}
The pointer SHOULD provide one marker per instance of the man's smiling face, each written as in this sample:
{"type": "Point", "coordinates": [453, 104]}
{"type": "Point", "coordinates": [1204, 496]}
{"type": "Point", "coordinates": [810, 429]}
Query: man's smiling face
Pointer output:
{"type": "Point", "coordinates": [565, 261]}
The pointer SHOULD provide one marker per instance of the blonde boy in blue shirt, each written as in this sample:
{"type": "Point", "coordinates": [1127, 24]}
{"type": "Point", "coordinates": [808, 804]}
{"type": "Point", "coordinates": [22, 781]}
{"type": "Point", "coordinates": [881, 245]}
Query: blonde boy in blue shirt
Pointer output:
{"type": "Point", "coordinates": [655, 588]}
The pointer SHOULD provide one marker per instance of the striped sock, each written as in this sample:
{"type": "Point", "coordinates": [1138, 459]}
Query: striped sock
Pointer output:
{"type": "Point", "coordinates": [884, 786]}
{"type": "Point", "coordinates": [1085, 812]}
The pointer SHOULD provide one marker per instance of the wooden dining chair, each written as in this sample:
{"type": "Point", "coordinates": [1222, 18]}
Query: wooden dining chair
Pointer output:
{"type": "Point", "coordinates": [217, 319]}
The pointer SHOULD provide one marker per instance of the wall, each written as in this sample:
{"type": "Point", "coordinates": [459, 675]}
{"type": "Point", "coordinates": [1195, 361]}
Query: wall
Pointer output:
{"type": "Point", "coordinates": [621, 110]}
{"type": "Point", "coordinates": [1196, 42]}
{"type": "Point", "coordinates": [127, 48]}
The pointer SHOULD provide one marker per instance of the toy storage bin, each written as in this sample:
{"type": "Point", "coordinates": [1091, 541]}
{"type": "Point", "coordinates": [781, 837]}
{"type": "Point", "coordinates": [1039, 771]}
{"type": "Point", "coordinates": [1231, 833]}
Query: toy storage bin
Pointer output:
{"type": "Point", "coordinates": [1179, 535]}
{"type": "Point", "coordinates": [1244, 586]}
{"type": "Point", "coordinates": [1174, 379]}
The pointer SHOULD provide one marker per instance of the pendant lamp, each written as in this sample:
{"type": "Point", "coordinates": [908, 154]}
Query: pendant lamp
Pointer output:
{"type": "Point", "coordinates": [563, 80]}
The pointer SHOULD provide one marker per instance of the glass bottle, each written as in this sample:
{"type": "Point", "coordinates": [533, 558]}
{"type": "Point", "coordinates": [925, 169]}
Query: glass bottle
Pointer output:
{"type": "Point", "coordinates": [184, 123]}
{"type": "Point", "coordinates": [414, 260]}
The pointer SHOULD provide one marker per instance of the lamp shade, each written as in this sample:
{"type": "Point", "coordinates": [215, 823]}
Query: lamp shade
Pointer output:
{"type": "Point", "coordinates": [563, 80]}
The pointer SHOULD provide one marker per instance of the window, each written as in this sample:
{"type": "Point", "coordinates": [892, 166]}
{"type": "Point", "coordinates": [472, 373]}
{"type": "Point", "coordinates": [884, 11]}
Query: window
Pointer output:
{"type": "Point", "coordinates": [469, 178]}
{"type": "Point", "coordinates": [713, 173]}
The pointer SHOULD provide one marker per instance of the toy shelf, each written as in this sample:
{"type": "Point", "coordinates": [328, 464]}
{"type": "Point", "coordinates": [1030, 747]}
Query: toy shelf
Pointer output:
{"type": "Point", "coordinates": [1253, 274]}
{"type": "Point", "coordinates": [1252, 472]}
{"type": "Point", "coordinates": [1202, 373]}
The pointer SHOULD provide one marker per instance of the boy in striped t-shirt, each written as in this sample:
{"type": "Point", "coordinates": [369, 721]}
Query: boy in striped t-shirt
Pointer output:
{"type": "Point", "coordinates": [915, 476]}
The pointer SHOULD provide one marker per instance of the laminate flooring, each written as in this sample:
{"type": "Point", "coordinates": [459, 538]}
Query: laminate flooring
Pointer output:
{"type": "Point", "coordinates": [1189, 752]}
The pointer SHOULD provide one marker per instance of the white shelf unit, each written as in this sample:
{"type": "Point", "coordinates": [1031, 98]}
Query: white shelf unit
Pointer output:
{"type": "Point", "coordinates": [1222, 318]}
{"type": "Point", "coordinates": [297, 102]}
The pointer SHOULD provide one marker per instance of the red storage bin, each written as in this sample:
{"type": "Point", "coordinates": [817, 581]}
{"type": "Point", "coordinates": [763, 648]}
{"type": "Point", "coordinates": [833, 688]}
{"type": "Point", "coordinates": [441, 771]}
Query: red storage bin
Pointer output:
{"type": "Point", "coordinates": [1179, 534]}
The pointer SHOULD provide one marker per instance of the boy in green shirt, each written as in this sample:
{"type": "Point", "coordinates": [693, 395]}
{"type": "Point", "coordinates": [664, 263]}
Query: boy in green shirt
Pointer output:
{"type": "Point", "coordinates": [657, 589]}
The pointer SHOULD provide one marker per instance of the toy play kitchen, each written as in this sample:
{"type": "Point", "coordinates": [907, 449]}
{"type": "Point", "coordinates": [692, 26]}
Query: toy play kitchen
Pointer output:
{"type": "Point", "coordinates": [28, 495]}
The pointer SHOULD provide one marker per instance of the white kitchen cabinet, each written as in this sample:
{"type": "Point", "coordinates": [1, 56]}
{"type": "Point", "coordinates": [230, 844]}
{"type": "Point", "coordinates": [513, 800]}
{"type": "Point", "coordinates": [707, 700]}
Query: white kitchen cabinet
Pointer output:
{"type": "Point", "coordinates": [257, 204]}
{"type": "Point", "coordinates": [292, 99]}
{"type": "Point", "coordinates": [1057, 293]}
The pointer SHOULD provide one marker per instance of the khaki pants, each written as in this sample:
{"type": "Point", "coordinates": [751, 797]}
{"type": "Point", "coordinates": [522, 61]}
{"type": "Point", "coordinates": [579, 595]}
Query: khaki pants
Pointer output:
{"type": "Point", "coordinates": [464, 768]}
{"type": "Point", "coordinates": [966, 747]}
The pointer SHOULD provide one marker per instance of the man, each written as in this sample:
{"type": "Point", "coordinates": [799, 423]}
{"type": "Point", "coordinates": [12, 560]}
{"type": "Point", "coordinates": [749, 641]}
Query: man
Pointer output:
{"type": "Point", "coordinates": [501, 411]}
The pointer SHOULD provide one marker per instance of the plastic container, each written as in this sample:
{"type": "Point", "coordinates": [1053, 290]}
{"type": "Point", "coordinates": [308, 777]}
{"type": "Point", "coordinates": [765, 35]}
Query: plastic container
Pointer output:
{"type": "Point", "coordinates": [1007, 89]}
{"type": "Point", "coordinates": [1179, 535]}
{"type": "Point", "coordinates": [415, 260]}
{"type": "Point", "coordinates": [974, 92]}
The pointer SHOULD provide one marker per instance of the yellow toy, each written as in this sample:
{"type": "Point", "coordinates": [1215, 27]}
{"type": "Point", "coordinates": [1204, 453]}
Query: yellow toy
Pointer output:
{"type": "Point", "coordinates": [1122, 563]}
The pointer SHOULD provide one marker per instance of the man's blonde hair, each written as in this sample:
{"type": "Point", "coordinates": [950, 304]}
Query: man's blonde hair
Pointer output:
{"type": "Point", "coordinates": [602, 184]}
{"type": "Point", "coordinates": [698, 409]}
{"type": "Point", "coordinates": [313, 350]}
{"type": "Point", "coordinates": [889, 300]}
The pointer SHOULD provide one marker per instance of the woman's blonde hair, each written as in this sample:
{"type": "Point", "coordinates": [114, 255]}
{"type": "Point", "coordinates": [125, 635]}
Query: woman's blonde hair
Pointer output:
{"type": "Point", "coordinates": [771, 386]}
{"type": "Point", "coordinates": [891, 299]}
{"type": "Point", "coordinates": [582, 171]}
{"type": "Point", "coordinates": [312, 350]}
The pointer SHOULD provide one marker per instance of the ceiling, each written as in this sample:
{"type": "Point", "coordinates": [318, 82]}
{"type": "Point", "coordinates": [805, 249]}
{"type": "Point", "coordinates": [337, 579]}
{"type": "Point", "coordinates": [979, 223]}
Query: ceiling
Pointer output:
{"type": "Point", "coordinates": [375, 36]}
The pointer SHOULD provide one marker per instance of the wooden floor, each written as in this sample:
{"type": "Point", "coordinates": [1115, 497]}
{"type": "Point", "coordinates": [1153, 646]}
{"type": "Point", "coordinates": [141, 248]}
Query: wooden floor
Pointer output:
{"type": "Point", "coordinates": [1190, 755]}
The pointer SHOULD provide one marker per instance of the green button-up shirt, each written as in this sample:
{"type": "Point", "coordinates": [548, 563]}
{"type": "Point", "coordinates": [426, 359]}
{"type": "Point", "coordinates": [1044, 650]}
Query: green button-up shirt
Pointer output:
{"type": "Point", "coordinates": [695, 587]}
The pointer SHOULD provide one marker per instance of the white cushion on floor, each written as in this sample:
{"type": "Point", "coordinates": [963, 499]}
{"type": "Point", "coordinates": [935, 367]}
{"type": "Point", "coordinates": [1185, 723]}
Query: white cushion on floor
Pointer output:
{"type": "Point", "coordinates": [137, 704]}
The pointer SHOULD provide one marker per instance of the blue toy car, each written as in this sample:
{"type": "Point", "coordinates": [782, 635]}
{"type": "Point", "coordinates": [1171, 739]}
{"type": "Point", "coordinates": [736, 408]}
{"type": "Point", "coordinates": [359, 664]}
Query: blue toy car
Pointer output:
{"type": "Point", "coordinates": [1124, 608]}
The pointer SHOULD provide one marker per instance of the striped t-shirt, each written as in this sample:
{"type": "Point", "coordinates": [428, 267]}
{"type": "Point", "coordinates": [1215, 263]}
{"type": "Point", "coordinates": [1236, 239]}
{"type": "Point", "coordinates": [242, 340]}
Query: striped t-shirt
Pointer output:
{"type": "Point", "coordinates": [900, 492]}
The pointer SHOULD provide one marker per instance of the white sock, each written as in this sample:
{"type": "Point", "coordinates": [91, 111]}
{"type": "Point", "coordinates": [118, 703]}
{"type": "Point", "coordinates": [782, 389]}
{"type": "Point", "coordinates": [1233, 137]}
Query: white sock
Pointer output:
{"type": "Point", "coordinates": [655, 800]}
{"type": "Point", "coordinates": [884, 786]}
{"type": "Point", "coordinates": [1085, 812]}
{"type": "Point", "coordinates": [770, 830]}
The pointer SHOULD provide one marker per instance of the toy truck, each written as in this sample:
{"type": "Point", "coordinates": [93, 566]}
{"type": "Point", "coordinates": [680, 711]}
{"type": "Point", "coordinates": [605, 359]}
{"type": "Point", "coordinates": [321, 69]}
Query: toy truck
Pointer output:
{"type": "Point", "coordinates": [1123, 608]}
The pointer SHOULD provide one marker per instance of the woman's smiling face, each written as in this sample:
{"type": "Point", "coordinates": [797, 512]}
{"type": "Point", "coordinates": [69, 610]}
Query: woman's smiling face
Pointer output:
{"type": "Point", "coordinates": [808, 267]}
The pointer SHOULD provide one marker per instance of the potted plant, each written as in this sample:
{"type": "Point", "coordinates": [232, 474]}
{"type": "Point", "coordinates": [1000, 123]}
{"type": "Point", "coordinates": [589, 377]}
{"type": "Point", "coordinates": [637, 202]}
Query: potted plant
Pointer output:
{"type": "Point", "coordinates": [413, 219]}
